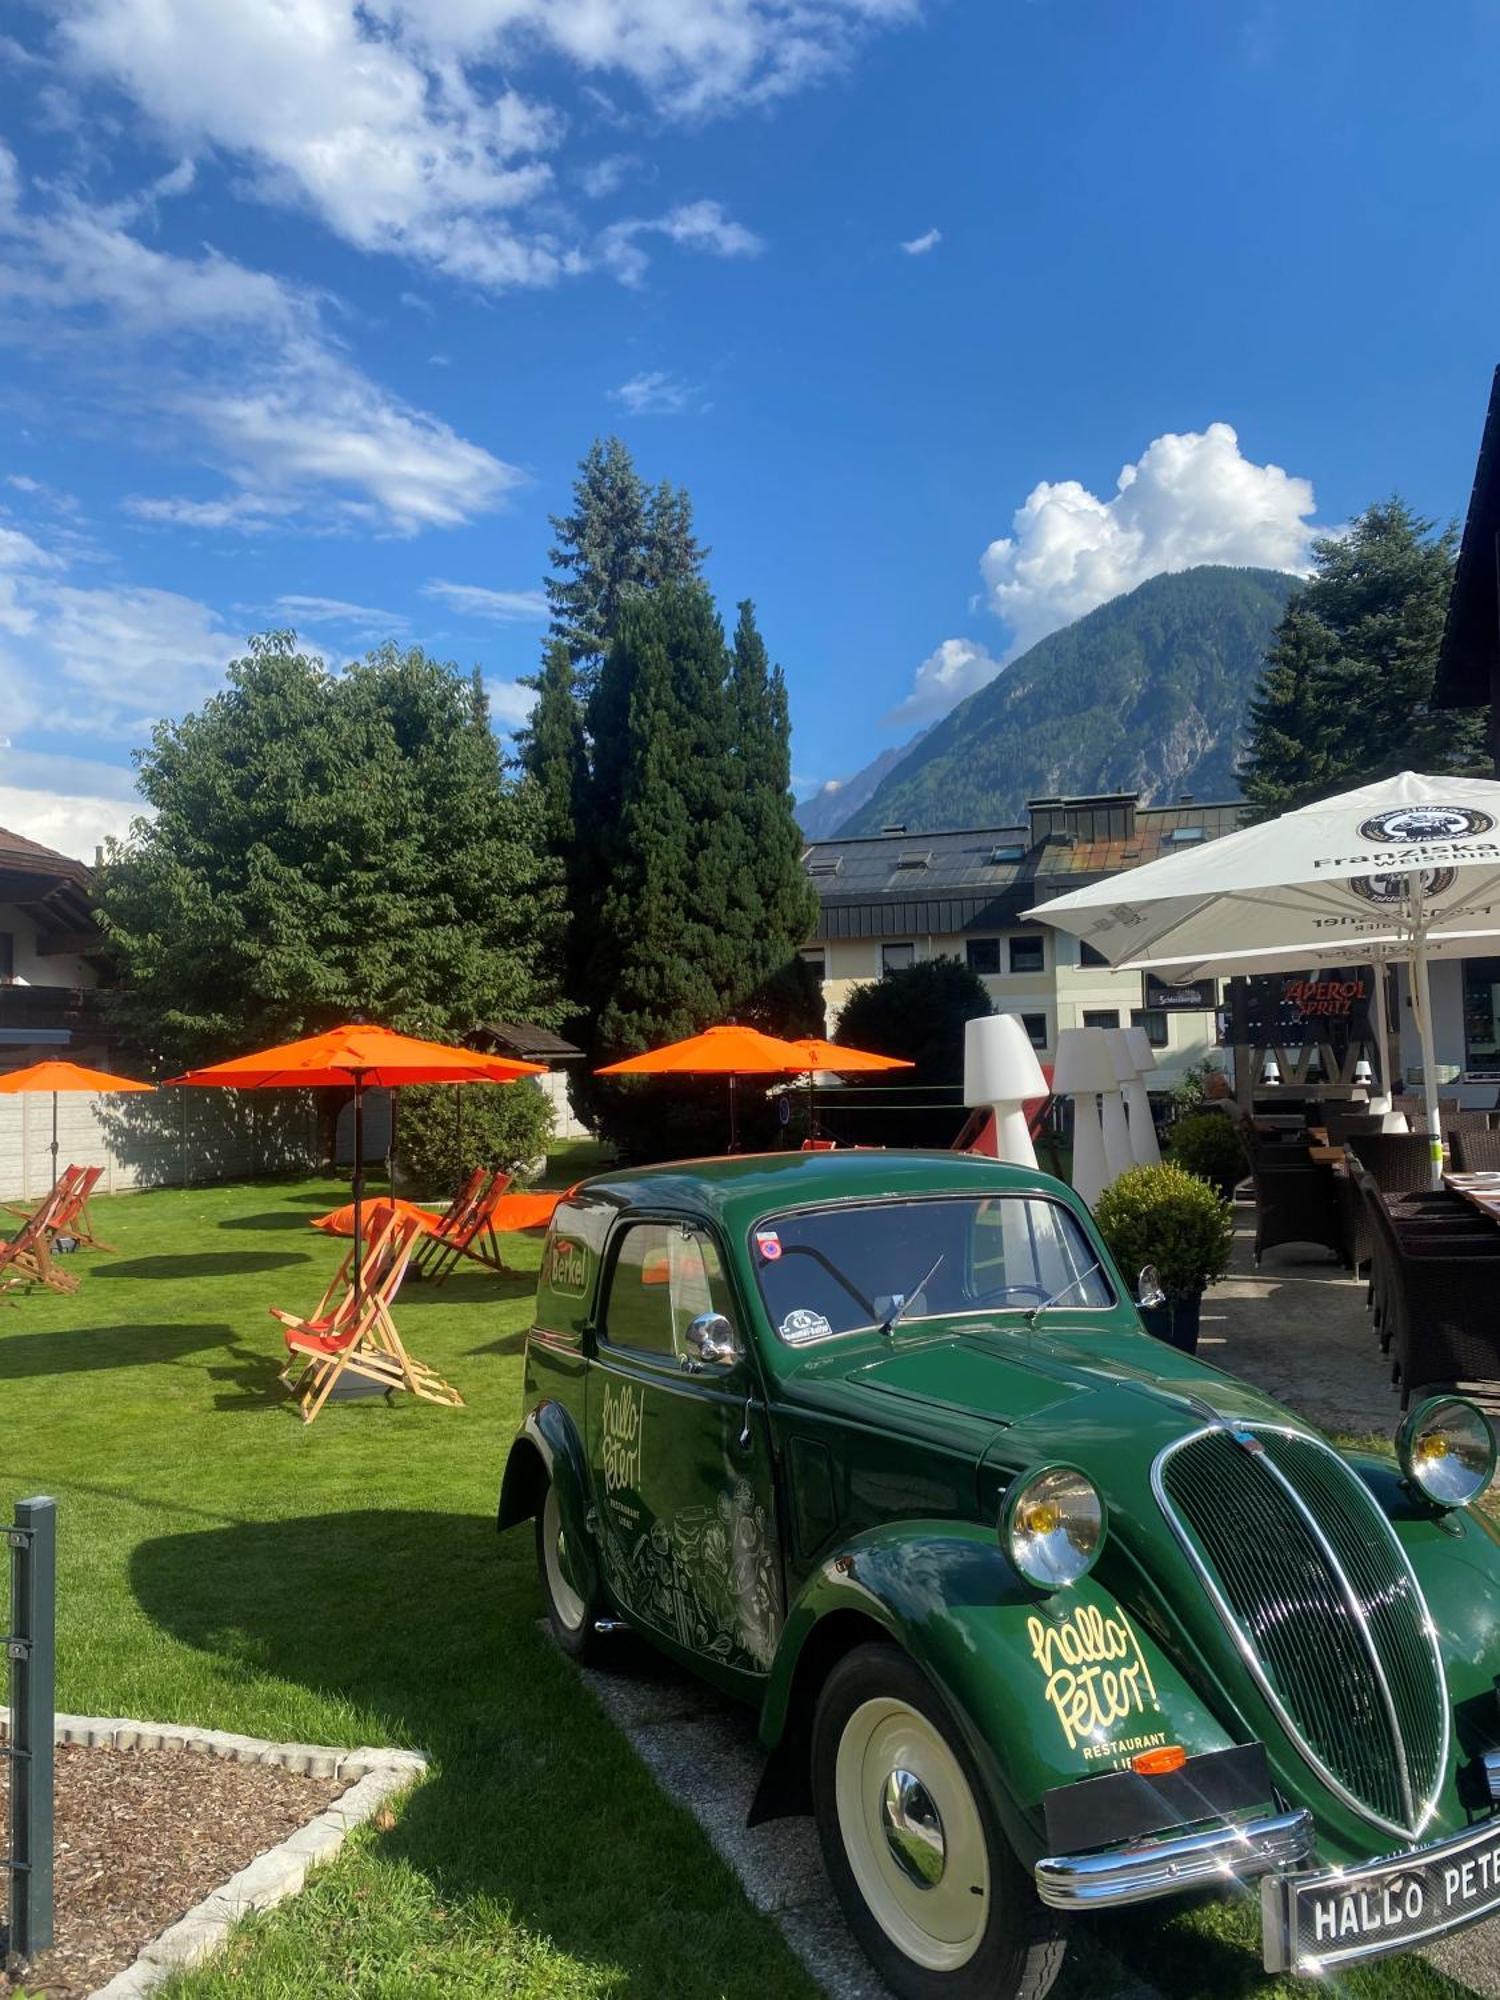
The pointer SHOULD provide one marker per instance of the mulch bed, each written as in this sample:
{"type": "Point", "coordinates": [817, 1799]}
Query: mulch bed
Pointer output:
{"type": "Point", "coordinates": [141, 1836]}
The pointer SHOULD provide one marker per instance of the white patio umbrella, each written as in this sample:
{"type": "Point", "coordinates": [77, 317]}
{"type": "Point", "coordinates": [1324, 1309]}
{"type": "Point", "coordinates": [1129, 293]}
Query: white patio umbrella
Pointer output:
{"type": "Point", "coordinates": [1404, 870]}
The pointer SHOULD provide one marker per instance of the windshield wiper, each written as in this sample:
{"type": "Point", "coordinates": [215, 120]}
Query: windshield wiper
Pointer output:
{"type": "Point", "coordinates": [1034, 1313]}
{"type": "Point", "coordinates": [901, 1300]}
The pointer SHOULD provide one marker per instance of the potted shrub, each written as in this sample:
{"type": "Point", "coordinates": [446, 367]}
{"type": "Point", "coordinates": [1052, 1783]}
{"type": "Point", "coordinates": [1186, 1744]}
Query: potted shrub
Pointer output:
{"type": "Point", "coordinates": [1206, 1144]}
{"type": "Point", "coordinates": [1171, 1219]}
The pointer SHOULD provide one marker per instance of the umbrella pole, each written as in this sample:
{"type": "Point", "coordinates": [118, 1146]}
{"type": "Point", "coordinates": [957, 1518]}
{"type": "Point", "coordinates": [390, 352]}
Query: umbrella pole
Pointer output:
{"type": "Point", "coordinates": [54, 1138]}
{"type": "Point", "coordinates": [734, 1129]}
{"type": "Point", "coordinates": [1382, 1027]}
{"type": "Point", "coordinates": [1422, 1000]}
{"type": "Point", "coordinates": [812, 1104]}
{"type": "Point", "coordinates": [359, 1180]}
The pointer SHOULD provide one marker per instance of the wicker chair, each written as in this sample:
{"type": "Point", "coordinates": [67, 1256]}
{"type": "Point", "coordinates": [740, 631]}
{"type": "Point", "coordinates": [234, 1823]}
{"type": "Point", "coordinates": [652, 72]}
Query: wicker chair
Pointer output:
{"type": "Point", "coordinates": [1434, 1276]}
{"type": "Point", "coordinates": [1296, 1201]}
{"type": "Point", "coordinates": [1397, 1162]}
{"type": "Point", "coordinates": [1476, 1152]}
{"type": "Point", "coordinates": [1342, 1125]}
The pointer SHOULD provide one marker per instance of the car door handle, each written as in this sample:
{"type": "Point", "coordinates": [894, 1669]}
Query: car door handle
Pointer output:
{"type": "Point", "coordinates": [745, 1440]}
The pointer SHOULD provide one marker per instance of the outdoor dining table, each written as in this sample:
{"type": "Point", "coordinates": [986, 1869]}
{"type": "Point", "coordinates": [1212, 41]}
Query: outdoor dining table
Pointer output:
{"type": "Point", "coordinates": [1481, 1191]}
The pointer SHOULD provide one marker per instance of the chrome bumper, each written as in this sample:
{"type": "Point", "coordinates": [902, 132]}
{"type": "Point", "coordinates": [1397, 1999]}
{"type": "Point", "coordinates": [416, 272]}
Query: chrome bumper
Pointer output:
{"type": "Point", "coordinates": [1150, 1868]}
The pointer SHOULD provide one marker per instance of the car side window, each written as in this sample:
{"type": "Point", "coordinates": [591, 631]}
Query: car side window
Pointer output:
{"type": "Point", "coordinates": [663, 1276]}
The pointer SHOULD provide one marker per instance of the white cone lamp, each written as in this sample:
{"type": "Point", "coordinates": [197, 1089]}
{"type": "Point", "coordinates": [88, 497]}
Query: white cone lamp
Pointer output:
{"type": "Point", "coordinates": [1138, 1104]}
{"type": "Point", "coordinates": [1119, 1154]}
{"type": "Point", "coordinates": [1270, 1074]}
{"type": "Point", "coordinates": [1002, 1072]}
{"type": "Point", "coordinates": [1082, 1071]}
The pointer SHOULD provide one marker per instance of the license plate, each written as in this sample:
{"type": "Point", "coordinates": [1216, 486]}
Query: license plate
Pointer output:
{"type": "Point", "coordinates": [1312, 1922]}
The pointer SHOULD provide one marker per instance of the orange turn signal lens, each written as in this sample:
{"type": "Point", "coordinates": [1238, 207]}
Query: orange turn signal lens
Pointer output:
{"type": "Point", "coordinates": [1157, 1763]}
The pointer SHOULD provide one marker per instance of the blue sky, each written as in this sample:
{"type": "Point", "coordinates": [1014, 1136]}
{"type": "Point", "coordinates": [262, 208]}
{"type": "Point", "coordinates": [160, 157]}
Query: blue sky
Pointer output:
{"type": "Point", "coordinates": [309, 311]}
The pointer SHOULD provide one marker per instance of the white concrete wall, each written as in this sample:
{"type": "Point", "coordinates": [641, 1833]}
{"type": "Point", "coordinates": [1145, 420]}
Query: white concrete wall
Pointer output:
{"type": "Point", "coordinates": [172, 1138]}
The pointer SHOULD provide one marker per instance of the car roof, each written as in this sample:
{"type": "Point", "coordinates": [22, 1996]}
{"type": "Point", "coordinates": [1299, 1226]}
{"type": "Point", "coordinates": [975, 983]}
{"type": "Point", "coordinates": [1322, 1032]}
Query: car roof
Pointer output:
{"type": "Point", "coordinates": [738, 1188]}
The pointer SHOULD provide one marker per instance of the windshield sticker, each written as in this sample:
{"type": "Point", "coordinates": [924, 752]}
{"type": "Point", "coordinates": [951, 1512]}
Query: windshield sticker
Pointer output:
{"type": "Point", "coordinates": [801, 1324]}
{"type": "Point", "coordinates": [768, 1243]}
{"type": "Point", "coordinates": [1096, 1674]}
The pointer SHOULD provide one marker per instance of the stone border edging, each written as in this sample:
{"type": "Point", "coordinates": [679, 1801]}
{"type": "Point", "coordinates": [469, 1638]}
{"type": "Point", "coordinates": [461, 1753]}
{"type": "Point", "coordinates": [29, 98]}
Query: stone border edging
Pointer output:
{"type": "Point", "coordinates": [373, 1775]}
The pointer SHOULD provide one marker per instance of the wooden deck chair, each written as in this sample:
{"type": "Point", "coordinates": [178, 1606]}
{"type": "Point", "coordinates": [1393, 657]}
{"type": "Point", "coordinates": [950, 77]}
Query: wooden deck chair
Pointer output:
{"type": "Point", "coordinates": [454, 1220]}
{"type": "Point", "coordinates": [59, 1190]}
{"type": "Point", "coordinates": [474, 1237]}
{"type": "Point", "coordinates": [360, 1339]}
{"type": "Point", "coordinates": [72, 1217]}
{"type": "Point", "coordinates": [27, 1258]}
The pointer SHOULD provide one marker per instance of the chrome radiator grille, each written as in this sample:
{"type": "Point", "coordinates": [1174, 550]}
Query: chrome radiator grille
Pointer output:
{"type": "Point", "coordinates": [1308, 1575]}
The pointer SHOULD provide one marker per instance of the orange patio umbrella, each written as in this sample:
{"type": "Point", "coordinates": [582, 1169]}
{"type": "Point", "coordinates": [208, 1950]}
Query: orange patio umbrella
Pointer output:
{"type": "Point", "coordinates": [365, 1057]}
{"type": "Point", "coordinates": [511, 1213]}
{"type": "Point", "coordinates": [56, 1076]}
{"type": "Point", "coordinates": [734, 1052]}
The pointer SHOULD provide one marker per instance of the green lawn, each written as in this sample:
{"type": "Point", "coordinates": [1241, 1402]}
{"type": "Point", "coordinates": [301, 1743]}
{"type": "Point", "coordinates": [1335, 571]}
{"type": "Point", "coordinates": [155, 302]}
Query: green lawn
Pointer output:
{"type": "Point", "coordinates": [343, 1583]}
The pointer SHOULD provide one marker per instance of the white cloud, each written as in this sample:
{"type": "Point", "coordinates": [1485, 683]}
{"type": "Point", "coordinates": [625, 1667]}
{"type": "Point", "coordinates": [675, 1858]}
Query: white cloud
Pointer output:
{"type": "Point", "coordinates": [608, 176]}
{"type": "Point", "coordinates": [1190, 498]}
{"type": "Point", "coordinates": [695, 225]}
{"type": "Point", "coordinates": [950, 672]}
{"type": "Point", "coordinates": [501, 607]}
{"type": "Point", "coordinates": [920, 245]}
{"type": "Point", "coordinates": [240, 368]}
{"type": "Point", "coordinates": [364, 621]}
{"type": "Point", "coordinates": [657, 394]}
{"type": "Point", "coordinates": [387, 119]}
{"type": "Point", "coordinates": [74, 823]}
{"type": "Point", "coordinates": [510, 705]}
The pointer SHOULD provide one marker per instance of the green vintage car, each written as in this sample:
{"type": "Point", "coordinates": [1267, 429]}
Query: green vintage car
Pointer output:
{"type": "Point", "coordinates": [1038, 1614]}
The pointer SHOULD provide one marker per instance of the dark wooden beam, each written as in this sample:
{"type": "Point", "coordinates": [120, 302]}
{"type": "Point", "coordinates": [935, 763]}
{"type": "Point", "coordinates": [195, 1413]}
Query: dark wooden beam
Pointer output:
{"type": "Point", "coordinates": [77, 943]}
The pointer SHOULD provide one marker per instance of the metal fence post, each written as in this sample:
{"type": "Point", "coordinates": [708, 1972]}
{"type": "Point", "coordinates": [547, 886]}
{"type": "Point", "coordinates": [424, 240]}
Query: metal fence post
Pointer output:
{"type": "Point", "coordinates": [33, 1677]}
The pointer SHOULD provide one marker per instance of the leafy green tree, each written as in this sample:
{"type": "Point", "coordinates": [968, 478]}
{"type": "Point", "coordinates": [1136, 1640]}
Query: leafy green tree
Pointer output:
{"type": "Point", "coordinates": [443, 1132]}
{"type": "Point", "coordinates": [920, 1013]}
{"type": "Point", "coordinates": [321, 846]}
{"type": "Point", "coordinates": [1346, 697]}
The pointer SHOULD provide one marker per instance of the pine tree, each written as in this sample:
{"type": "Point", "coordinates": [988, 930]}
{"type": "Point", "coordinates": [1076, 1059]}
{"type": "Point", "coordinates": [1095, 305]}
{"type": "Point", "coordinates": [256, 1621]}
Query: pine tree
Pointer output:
{"type": "Point", "coordinates": [1346, 697]}
{"type": "Point", "coordinates": [618, 540]}
{"type": "Point", "coordinates": [1287, 758]}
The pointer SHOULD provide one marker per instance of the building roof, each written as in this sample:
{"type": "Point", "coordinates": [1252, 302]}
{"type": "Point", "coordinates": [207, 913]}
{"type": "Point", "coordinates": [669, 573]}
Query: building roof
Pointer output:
{"type": "Point", "coordinates": [1470, 650]}
{"type": "Point", "coordinates": [52, 889]}
{"type": "Point", "coordinates": [898, 884]}
{"type": "Point", "coordinates": [526, 1041]}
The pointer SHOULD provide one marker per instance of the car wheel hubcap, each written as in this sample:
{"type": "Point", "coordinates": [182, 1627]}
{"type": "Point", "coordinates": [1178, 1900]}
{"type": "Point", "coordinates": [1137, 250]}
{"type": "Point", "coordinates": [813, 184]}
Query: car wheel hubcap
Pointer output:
{"type": "Point", "coordinates": [912, 1834]}
{"type": "Point", "coordinates": [566, 1602]}
{"type": "Point", "coordinates": [913, 1828]}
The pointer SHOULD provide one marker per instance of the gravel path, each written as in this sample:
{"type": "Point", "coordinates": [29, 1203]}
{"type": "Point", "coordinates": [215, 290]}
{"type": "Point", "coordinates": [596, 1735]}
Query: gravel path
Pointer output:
{"type": "Point", "coordinates": [143, 1835]}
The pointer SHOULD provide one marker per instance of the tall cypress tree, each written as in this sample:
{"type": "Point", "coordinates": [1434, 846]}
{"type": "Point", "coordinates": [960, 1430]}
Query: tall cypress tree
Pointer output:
{"type": "Point", "coordinates": [777, 904]}
{"type": "Point", "coordinates": [1346, 697]}
{"type": "Point", "coordinates": [554, 756]}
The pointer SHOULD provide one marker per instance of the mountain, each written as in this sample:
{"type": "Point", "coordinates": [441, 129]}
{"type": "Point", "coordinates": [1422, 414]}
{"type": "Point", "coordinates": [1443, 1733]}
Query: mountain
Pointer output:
{"type": "Point", "coordinates": [828, 808]}
{"type": "Point", "coordinates": [1147, 694]}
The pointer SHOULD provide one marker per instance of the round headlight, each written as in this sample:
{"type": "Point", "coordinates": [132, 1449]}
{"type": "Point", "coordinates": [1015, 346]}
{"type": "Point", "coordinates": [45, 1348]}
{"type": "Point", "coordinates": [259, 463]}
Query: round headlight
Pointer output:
{"type": "Point", "coordinates": [1053, 1526]}
{"type": "Point", "coordinates": [1447, 1450]}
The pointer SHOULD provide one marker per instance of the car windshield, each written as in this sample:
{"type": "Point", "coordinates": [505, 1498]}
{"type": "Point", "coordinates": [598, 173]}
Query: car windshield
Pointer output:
{"type": "Point", "coordinates": [841, 1270]}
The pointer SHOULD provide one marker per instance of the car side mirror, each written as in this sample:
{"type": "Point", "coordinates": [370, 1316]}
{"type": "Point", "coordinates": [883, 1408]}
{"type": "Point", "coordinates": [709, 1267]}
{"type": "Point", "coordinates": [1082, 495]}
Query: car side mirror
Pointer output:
{"type": "Point", "coordinates": [711, 1340]}
{"type": "Point", "coordinates": [1149, 1289]}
